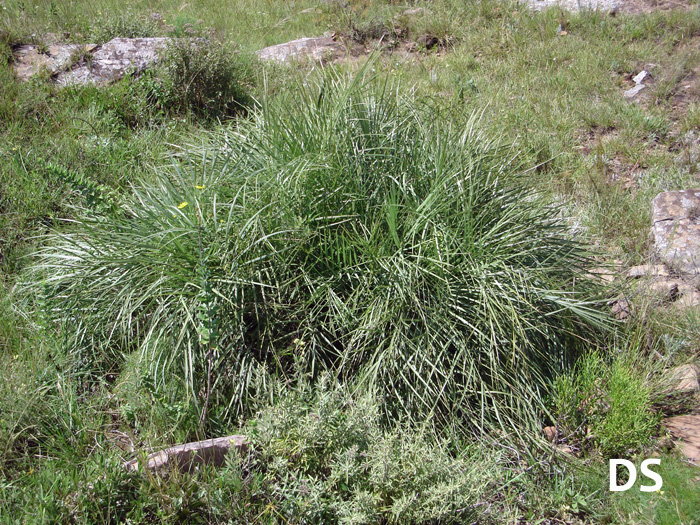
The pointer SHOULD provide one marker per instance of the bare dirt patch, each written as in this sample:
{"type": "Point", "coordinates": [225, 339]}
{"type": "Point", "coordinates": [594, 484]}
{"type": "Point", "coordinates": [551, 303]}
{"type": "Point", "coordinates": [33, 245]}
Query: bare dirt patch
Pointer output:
{"type": "Point", "coordinates": [617, 169]}
{"type": "Point", "coordinates": [686, 92]}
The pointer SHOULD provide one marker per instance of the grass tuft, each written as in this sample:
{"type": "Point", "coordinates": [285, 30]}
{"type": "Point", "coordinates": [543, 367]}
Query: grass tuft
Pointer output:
{"type": "Point", "coordinates": [346, 230]}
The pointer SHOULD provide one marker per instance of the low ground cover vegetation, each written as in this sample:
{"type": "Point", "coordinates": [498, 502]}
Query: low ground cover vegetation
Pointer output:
{"type": "Point", "coordinates": [389, 273]}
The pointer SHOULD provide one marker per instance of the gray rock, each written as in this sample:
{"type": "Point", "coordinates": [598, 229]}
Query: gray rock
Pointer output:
{"type": "Point", "coordinates": [676, 229]}
{"type": "Point", "coordinates": [642, 76]}
{"type": "Point", "coordinates": [550, 434]}
{"type": "Point", "coordinates": [621, 308]}
{"type": "Point", "coordinates": [605, 274]}
{"type": "Point", "coordinates": [186, 457]}
{"type": "Point", "coordinates": [114, 59]}
{"type": "Point", "coordinates": [689, 296]}
{"type": "Point", "coordinates": [322, 48]}
{"type": "Point", "coordinates": [633, 92]}
{"type": "Point", "coordinates": [667, 290]}
{"type": "Point", "coordinates": [29, 61]}
{"type": "Point", "coordinates": [88, 64]}
{"type": "Point", "coordinates": [610, 6]}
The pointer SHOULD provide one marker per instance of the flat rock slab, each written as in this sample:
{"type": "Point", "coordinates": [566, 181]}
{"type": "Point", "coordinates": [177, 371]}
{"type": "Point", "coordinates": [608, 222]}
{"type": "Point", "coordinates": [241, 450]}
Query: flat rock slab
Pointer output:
{"type": "Point", "coordinates": [676, 229]}
{"type": "Point", "coordinates": [575, 5]}
{"type": "Point", "coordinates": [684, 378]}
{"type": "Point", "coordinates": [114, 59]}
{"type": "Point", "coordinates": [186, 457]}
{"type": "Point", "coordinates": [321, 49]}
{"type": "Point", "coordinates": [647, 270]}
{"type": "Point", "coordinates": [686, 434]}
{"type": "Point", "coordinates": [30, 60]}
{"type": "Point", "coordinates": [633, 92]}
{"type": "Point", "coordinates": [72, 64]}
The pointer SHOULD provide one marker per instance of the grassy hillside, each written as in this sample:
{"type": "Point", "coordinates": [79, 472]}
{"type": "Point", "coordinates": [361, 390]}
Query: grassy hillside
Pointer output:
{"type": "Point", "coordinates": [390, 272]}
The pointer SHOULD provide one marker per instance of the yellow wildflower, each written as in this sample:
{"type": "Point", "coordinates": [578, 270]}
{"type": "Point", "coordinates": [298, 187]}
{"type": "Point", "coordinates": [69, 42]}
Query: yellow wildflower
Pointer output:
{"type": "Point", "coordinates": [182, 205]}
{"type": "Point", "coordinates": [199, 187]}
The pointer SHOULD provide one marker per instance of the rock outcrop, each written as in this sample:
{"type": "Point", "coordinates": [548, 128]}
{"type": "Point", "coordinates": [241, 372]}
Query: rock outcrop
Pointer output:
{"type": "Point", "coordinates": [676, 230]}
{"type": "Point", "coordinates": [684, 378]}
{"type": "Point", "coordinates": [115, 59]}
{"type": "Point", "coordinates": [30, 60]}
{"type": "Point", "coordinates": [71, 64]}
{"type": "Point", "coordinates": [686, 434]}
{"type": "Point", "coordinates": [321, 49]}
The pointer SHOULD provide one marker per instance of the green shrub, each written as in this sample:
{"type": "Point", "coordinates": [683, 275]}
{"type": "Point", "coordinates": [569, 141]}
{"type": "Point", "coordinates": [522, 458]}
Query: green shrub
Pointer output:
{"type": "Point", "coordinates": [203, 79]}
{"type": "Point", "coordinates": [319, 456]}
{"type": "Point", "coordinates": [607, 406]}
{"type": "Point", "coordinates": [326, 459]}
{"type": "Point", "coordinates": [209, 78]}
{"type": "Point", "coordinates": [344, 229]}
{"type": "Point", "coordinates": [629, 422]}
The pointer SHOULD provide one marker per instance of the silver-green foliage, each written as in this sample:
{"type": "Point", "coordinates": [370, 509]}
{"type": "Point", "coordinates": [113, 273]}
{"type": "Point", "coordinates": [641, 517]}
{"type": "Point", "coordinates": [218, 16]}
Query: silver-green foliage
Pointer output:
{"type": "Point", "coordinates": [327, 459]}
{"type": "Point", "coordinates": [347, 227]}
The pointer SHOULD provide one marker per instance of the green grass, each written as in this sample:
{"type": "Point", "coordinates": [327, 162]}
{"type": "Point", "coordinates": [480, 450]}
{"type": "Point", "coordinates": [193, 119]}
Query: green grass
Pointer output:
{"type": "Point", "coordinates": [346, 230]}
{"type": "Point", "coordinates": [676, 503]}
{"type": "Point", "coordinates": [104, 137]}
{"type": "Point", "coordinates": [315, 264]}
{"type": "Point", "coordinates": [606, 406]}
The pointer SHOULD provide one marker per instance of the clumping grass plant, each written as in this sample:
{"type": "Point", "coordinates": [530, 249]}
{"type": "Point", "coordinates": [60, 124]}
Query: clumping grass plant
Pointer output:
{"type": "Point", "coordinates": [341, 228]}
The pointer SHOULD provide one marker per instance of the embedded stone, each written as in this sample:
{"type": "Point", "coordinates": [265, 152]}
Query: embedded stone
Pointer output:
{"type": "Point", "coordinates": [633, 92]}
{"type": "Point", "coordinates": [684, 378]}
{"type": "Point", "coordinates": [565, 449]}
{"type": "Point", "coordinates": [190, 455]}
{"type": "Point", "coordinates": [610, 6]}
{"type": "Point", "coordinates": [668, 290]}
{"type": "Point", "coordinates": [414, 12]}
{"type": "Point", "coordinates": [114, 59]}
{"type": "Point", "coordinates": [30, 60]}
{"type": "Point", "coordinates": [621, 309]}
{"type": "Point", "coordinates": [605, 274]}
{"type": "Point", "coordinates": [690, 296]}
{"type": "Point", "coordinates": [676, 229]}
{"type": "Point", "coordinates": [322, 48]}
{"type": "Point", "coordinates": [686, 434]}
{"type": "Point", "coordinates": [550, 434]}
{"type": "Point", "coordinates": [647, 270]}
{"type": "Point", "coordinates": [642, 76]}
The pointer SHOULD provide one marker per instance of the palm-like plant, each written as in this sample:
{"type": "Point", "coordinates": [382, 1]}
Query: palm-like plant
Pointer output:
{"type": "Point", "coordinates": [343, 228]}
